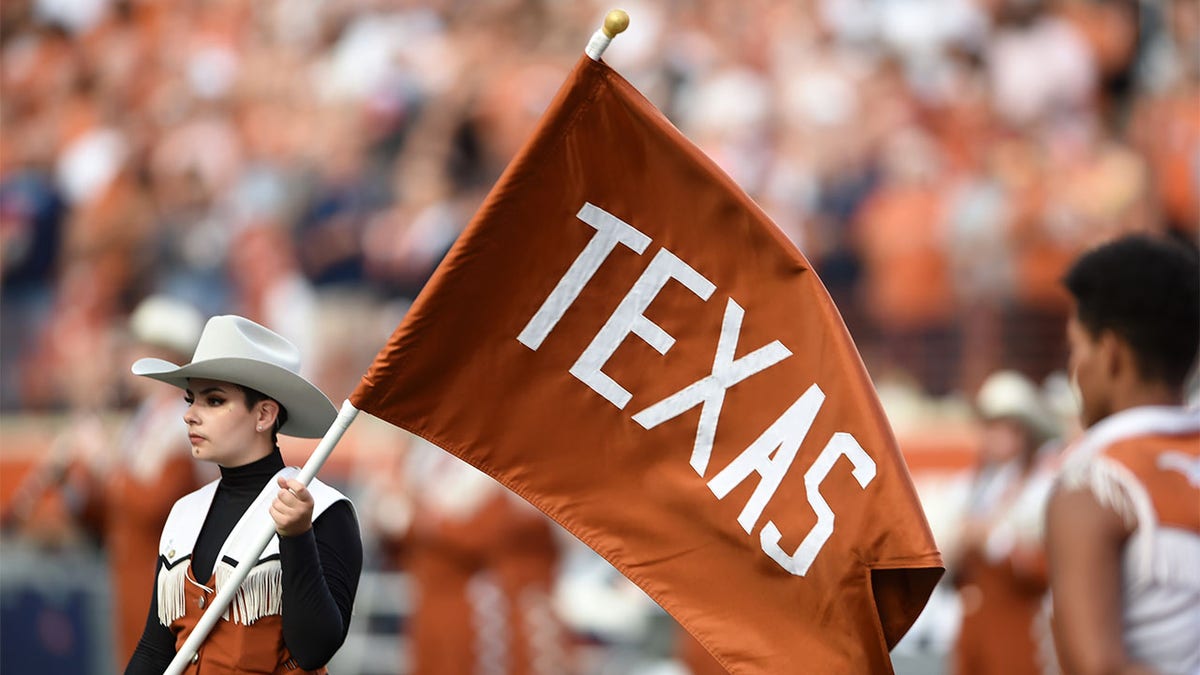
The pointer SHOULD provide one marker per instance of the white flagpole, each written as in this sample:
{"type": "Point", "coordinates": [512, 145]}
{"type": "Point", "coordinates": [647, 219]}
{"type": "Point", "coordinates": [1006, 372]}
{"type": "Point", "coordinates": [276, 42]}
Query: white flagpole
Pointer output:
{"type": "Point", "coordinates": [192, 645]}
{"type": "Point", "coordinates": [614, 23]}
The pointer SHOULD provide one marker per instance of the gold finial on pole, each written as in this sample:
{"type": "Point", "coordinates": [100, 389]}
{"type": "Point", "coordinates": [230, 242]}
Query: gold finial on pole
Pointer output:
{"type": "Point", "coordinates": [614, 23]}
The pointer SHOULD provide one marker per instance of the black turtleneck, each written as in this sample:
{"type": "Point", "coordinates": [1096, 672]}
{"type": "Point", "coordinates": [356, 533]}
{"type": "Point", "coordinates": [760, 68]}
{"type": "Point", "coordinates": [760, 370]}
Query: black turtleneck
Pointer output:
{"type": "Point", "coordinates": [320, 572]}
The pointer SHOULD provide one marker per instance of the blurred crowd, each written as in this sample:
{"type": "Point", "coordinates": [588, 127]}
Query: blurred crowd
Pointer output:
{"type": "Point", "coordinates": [307, 163]}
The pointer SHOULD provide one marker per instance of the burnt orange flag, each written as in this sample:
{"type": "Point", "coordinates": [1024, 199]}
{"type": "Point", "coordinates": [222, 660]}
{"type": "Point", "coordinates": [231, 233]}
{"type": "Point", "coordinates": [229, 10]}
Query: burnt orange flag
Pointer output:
{"type": "Point", "coordinates": [623, 338]}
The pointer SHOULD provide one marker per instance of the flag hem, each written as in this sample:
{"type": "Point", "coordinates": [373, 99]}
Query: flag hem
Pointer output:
{"type": "Point", "coordinates": [915, 562]}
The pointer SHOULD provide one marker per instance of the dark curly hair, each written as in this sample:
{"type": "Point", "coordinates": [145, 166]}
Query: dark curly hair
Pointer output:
{"type": "Point", "coordinates": [1146, 290]}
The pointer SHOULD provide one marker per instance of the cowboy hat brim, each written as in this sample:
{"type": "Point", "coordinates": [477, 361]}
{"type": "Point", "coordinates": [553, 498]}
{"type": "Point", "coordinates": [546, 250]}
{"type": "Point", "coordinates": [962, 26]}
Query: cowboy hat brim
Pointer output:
{"type": "Point", "coordinates": [310, 412]}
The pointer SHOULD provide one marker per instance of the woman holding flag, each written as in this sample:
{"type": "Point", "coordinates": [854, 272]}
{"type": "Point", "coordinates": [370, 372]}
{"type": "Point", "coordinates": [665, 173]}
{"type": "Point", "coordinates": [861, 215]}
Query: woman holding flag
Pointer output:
{"type": "Point", "coordinates": [243, 388]}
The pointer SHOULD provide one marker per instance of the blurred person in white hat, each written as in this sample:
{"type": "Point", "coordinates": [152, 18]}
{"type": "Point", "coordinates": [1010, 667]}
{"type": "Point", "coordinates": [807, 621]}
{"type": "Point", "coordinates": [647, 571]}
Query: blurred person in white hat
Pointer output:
{"type": "Point", "coordinates": [997, 564]}
{"type": "Point", "coordinates": [242, 389]}
{"type": "Point", "coordinates": [150, 466]}
{"type": "Point", "coordinates": [121, 488]}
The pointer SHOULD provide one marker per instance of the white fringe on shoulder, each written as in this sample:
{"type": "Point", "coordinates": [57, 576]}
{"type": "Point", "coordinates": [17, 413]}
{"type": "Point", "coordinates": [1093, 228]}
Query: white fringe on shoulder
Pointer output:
{"type": "Point", "coordinates": [1155, 553]}
{"type": "Point", "coordinates": [1112, 484]}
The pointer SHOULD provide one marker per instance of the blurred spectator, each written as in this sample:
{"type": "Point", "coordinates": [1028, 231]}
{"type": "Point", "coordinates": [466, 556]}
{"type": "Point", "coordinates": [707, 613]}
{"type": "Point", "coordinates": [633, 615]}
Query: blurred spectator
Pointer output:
{"type": "Point", "coordinates": [891, 141]}
{"type": "Point", "coordinates": [330, 230]}
{"type": "Point", "coordinates": [1040, 64]}
{"type": "Point", "coordinates": [269, 289]}
{"type": "Point", "coordinates": [1165, 124]}
{"type": "Point", "coordinates": [906, 271]}
{"type": "Point", "coordinates": [31, 220]}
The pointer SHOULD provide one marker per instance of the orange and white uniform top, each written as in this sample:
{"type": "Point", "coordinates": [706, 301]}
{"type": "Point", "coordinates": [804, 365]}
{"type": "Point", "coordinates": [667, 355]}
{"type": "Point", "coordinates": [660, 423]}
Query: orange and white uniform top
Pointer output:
{"type": "Point", "coordinates": [249, 636]}
{"type": "Point", "coordinates": [1144, 464]}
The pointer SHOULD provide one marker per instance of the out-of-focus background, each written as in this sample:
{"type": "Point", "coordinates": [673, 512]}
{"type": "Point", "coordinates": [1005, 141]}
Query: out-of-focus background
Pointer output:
{"type": "Point", "coordinates": [306, 163]}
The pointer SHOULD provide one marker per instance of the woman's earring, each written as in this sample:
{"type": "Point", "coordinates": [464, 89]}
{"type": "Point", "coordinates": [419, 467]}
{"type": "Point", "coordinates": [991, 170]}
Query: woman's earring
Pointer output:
{"type": "Point", "coordinates": [259, 427]}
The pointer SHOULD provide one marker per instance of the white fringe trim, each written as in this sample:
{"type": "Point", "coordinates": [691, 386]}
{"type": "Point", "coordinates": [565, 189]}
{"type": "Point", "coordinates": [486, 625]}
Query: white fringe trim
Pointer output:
{"type": "Point", "coordinates": [1155, 554]}
{"type": "Point", "coordinates": [171, 595]}
{"type": "Point", "coordinates": [543, 633]}
{"type": "Point", "coordinates": [489, 611]}
{"type": "Point", "coordinates": [261, 594]}
{"type": "Point", "coordinates": [1110, 483]}
{"type": "Point", "coordinates": [1042, 631]}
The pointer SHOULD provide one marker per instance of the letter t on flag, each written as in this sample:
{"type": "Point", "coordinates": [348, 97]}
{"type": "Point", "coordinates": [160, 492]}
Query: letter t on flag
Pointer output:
{"type": "Point", "coordinates": [624, 339]}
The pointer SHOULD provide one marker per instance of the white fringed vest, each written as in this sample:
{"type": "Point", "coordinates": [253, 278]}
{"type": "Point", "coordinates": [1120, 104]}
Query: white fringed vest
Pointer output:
{"type": "Point", "coordinates": [261, 594]}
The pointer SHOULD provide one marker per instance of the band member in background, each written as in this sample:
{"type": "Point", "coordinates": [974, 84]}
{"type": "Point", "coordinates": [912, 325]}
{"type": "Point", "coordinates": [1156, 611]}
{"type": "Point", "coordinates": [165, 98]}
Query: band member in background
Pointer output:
{"type": "Point", "coordinates": [121, 489]}
{"type": "Point", "coordinates": [484, 564]}
{"type": "Point", "coordinates": [997, 563]}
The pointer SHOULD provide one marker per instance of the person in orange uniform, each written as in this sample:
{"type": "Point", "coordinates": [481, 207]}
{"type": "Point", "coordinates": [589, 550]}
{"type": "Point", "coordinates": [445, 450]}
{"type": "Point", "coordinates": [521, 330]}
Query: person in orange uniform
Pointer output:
{"type": "Point", "coordinates": [484, 563]}
{"type": "Point", "coordinates": [153, 469]}
{"type": "Point", "coordinates": [1123, 522]}
{"type": "Point", "coordinates": [292, 612]}
{"type": "Point", "coordinates": [997, 564]}
{"type": "Point", "coordinates": [121, 490]}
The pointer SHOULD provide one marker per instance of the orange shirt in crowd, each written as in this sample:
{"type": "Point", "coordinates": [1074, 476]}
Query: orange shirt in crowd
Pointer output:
{"type": "Point", "coordinates": [907, 273]}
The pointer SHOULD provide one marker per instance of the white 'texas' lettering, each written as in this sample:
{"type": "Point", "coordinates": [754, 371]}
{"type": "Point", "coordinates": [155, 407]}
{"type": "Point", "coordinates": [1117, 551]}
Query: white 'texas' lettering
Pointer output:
{"type": "Point", "coordinates": [628, 318]}
{"type": "Point", "coordinates": [864, 472]}
{"type": "Point", "coordinates": [771, 454]}
{"type": "Point", "coordinates": [610, 231]}
{"type": "Point", "coordinates": [710, 391]}
{"type": "Point", "coordinates": [782, 440]}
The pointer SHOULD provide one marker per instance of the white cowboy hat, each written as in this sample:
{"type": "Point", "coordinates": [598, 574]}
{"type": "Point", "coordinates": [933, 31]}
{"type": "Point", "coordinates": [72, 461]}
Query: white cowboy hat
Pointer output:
{"type": "Point", "coordinates": [235, 349]}
{"type": "Point", "coordinates": [1009, 394]}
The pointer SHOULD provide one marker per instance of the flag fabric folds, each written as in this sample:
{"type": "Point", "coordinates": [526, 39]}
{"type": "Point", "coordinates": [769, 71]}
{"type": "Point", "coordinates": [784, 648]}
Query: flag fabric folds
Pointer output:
{"type": "Point", "coordinates": [623, 338]}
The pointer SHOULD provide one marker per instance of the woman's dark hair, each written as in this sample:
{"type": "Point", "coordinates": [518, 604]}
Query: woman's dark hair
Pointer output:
{"type": "Point", "coordinates": [253, 396]}
{"type": "Point", "coordinates": [1146, 290]}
